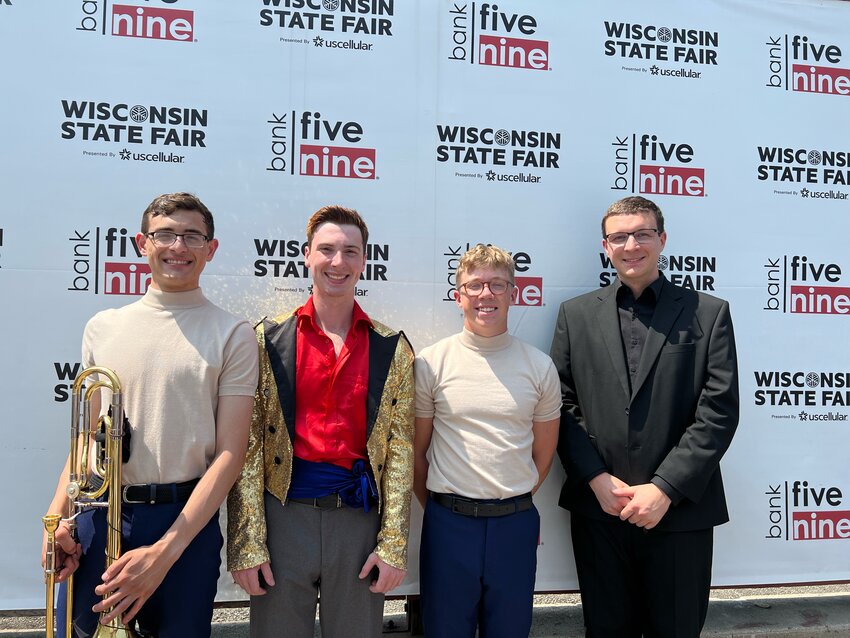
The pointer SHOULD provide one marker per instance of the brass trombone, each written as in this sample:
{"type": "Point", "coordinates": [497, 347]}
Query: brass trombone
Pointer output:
{"type": "Point", "coordinates": [83, 492]}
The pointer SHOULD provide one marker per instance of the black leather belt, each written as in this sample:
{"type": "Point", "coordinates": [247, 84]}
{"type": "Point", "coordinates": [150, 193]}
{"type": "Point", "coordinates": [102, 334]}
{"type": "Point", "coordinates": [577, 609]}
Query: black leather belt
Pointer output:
{"type": "Point", "coordinates": [329, 502]}
{"type": "Point", "coordinates": [483, 508]}
{"type": "Point", "coordinates": [158, 493]}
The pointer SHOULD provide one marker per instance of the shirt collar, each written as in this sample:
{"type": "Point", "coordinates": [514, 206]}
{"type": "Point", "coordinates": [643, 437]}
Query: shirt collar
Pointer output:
{"type": "Point", "coordinates": [308, 312]}
{"type": "Point", "coordinates": [654, 289]}
{"type": "Point", "coordinates": [161, 299]}
{"type": "Point", "coordinates": [485, 344]}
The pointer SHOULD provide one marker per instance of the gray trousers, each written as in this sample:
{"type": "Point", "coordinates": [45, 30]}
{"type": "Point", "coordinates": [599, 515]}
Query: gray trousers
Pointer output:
{"type": "Point", "coordinates": [318, 550]}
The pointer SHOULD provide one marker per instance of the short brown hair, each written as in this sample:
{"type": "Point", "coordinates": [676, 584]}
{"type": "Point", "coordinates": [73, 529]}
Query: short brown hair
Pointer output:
{"type": "Point", "coordinates": [634, 205]}
{"type": "Point", "coordinates": [168, 203]}
{"type": "Point", "coordinates": [485, 256]}
{"type": "Point", "coordinates": [336, 215]}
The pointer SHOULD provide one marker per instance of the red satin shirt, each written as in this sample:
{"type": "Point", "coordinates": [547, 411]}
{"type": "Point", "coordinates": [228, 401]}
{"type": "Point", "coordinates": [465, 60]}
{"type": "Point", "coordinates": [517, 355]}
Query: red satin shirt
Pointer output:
{"type": "Point", "coordinates": [330, 391]}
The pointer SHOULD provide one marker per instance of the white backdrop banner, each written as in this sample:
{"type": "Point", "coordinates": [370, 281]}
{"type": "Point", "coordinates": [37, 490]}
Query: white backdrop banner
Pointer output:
{"type": "Point", "coordinates": [446, 124]}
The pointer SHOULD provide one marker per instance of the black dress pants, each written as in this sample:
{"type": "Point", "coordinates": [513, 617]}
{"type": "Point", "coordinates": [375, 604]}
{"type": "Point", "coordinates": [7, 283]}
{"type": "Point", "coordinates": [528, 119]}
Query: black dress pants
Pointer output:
{"type": "Point", "coordinates": [641, 583]}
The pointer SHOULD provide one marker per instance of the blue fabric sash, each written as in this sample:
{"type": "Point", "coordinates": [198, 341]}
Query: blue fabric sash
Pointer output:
{"type": "Point", "coordinates": [356, 488]}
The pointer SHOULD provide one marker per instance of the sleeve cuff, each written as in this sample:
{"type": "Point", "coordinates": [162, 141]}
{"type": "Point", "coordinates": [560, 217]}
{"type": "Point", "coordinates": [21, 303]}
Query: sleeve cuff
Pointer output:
{"type": "Point", "coordinates": [672, 493]}
{"type": "Point", "coordinates": [593, 475]}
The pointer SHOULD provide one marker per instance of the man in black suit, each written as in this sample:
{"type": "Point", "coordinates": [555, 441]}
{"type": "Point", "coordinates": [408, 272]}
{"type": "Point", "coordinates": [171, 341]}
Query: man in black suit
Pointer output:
{"type": "Point", "coordinates": [650, 404]}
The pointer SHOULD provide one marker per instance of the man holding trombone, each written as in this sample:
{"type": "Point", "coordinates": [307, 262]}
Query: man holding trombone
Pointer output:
{"type": "Point", "coordinates": [188, 372]}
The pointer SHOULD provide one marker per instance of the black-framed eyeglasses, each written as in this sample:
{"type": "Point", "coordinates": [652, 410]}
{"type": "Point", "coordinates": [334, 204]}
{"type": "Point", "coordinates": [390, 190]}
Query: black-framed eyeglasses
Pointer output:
{"type": "Point", "coordinates": [167, 238]}
{"type": "Point", "coordinates": [641, 235]}
{"type": "Point", "coordinates": [496, 286]}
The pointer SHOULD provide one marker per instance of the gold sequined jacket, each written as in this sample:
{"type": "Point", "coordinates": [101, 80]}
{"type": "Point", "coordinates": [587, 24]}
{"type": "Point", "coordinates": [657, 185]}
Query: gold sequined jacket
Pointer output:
{"type": "Point", "coordinates": [268, 466]}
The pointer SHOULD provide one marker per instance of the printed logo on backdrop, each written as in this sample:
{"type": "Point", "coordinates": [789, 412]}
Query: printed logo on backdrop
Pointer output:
{"type": "Point", "coordinates": [677, 52]}
{"type": "Point", "coordinates": [813, 395]}
{"type": "Point", "coordinates": [129, 132]}
{"type": "Point", "coordinates": [813, 174]}
{"type": "Point", "coordinates": [498, 154]}
{"type": "Point", "coordinates": [490, 34]}
{"type": "Point", "coordinates": [527, 291]}
{"type": "Point", "coordinates": [311, 144]}
{"type": "Point", "coordinates": [107, 261]}
{"type": "Point", "coordinates": [329, 24]}
{"type": "Point", "coordinates": [802, 510]}
{"type": "Point", "coordinates": [650, 165]}
{"type": "Point", "coordinates": [150, 20]}
{"type": "Point", "coordinates": [696, 272]}
{"type": "Point", "coordinates": [66, 372]}
{"type": "Point", "coordinates": [802, 286]}
{"type": "Point", "coordinates": [799, 63]}
{"type": "Point", "coordinates": [282, 259]}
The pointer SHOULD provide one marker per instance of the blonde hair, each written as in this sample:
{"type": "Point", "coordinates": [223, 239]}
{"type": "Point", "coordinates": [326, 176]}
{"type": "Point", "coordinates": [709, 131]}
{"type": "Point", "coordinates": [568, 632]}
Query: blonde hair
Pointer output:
{"type": "Point", "coordinates": [486, 256]}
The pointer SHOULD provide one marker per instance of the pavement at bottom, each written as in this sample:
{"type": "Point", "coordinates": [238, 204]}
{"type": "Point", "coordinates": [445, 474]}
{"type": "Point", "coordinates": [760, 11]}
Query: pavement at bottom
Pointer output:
{"type": "Point", "coordinates": [787, 612]}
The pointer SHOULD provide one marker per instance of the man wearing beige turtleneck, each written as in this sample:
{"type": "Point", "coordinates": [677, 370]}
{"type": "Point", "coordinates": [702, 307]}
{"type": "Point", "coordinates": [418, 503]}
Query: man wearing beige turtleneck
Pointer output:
{"type": "Point", "coordinates": [189, 372]}
{"type": "Point", "coordinates": [487, 415]}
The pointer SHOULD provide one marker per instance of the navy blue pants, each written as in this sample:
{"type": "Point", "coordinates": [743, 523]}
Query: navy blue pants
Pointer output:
{"type": "Point", "coordinates": [477, 572]}
{"type": "Point", "coordinates": [181, 606]}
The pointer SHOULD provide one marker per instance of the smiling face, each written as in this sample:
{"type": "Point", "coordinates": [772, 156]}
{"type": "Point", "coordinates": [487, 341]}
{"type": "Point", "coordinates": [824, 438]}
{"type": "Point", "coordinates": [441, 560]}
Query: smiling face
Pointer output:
{"type": "Point", "coordinates": [177, 268]}
{"type": "Point", "coordinates": [335, 258]}
{"type": "Point", "coordinates": [487, 314]}
{"type": "Point", "coordinates": [636, 264]}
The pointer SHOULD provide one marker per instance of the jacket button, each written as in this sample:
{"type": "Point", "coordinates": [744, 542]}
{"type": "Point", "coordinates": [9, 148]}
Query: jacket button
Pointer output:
{"type": "Point", "coordinates": [380, 467]}
{"type": "Point", "coordinates": [394, 401]}
{"type": "Point", "coordinates": [272, 429]}
{"type": "Point", "coordinates": [627, 411]}
{"type": "Point", "coordinates": [277, 460]}
{"type": "Point", "coordinates": [266, 392]}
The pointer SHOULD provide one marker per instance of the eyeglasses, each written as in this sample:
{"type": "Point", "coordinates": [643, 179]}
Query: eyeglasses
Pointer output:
{"type": "Point", "coordinates": [496, 286]}
{"type": "Point", "coordinates": [167, 238]}
{"type": "Point", "coordinates": [642, 236]}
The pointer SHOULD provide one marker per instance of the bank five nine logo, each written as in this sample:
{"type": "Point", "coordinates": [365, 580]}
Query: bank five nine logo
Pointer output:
{"type": "Point", "coordinates": [148, 21]}
{"type": "Point", "coordinates": [107, 261]}
{"type": "Point", "coordinates": [802, 511]}
{"type": "Point", "coordinates": [314, 145]}
{"type": "Point", "coordinates": [799, 63]}
{"type": "Point", "coordinates": [800, 285]}
{"type": "Point", "coordinates": [648, 164]}
{"type": "Point", "coordinates": [491, 34]}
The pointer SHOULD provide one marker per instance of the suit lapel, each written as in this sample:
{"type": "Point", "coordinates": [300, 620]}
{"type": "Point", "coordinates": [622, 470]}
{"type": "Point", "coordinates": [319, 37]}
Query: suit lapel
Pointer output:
{"type": "Point", "coordinates": [609, 324]}
{"type": "Point", "coordinates": [280, 344]}
{"type": "Point", "coordinates": [667, 310]}
{"type": "Point", "coordinates": [381, 351]}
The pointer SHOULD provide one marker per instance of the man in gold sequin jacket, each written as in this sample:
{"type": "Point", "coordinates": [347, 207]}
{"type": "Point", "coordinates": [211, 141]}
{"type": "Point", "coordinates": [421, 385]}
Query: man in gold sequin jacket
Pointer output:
{"type": "Point", "coordinates": [323, 502]}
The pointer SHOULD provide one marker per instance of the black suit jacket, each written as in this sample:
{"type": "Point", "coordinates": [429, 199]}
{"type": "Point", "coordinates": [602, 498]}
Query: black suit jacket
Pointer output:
{"type": "Point", "coordinates": [677, 421]}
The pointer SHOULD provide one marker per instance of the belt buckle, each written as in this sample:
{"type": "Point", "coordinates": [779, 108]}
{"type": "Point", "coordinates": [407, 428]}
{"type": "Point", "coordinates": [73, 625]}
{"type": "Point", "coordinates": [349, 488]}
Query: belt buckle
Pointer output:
{"type": "Point", "coordinates": [124, 494]}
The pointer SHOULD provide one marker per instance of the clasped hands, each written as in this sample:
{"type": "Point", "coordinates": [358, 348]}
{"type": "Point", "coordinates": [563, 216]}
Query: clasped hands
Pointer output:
{"type": "Point", "coordinates": [642, 505]}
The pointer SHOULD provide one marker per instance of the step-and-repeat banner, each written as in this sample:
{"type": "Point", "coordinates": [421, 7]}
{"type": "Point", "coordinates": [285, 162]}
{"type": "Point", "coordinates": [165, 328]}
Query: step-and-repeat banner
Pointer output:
{"type": "Point", "coordinates": [446, 124]}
